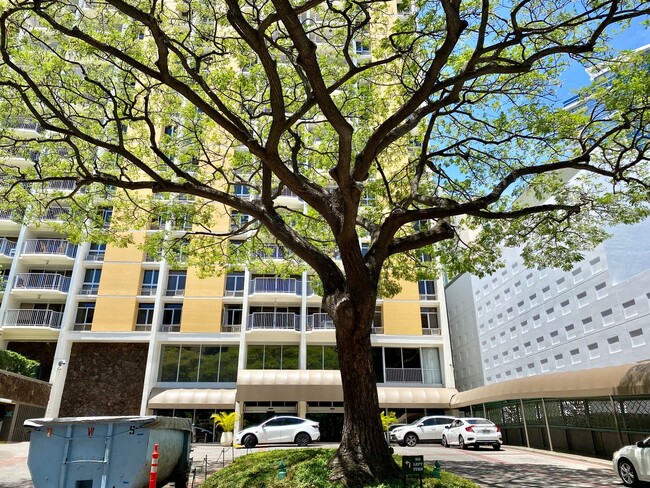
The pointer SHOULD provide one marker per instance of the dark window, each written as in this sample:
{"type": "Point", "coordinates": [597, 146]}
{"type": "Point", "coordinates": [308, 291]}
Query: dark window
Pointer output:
{"type": "Point", "coordinates": [85, 313]}
{"type": "Point", "coordinates": [235, 284]}
{"type": "Point", "coordinates": [149, 282]}
{"type": "Point", "coordinates": [172, 313]}
{"type": "Point", "coordinates": [176, 283]}
{"type": "Point", "coordinates": [91, 282]}
{"type": "Point", "coordinates": [145, 314]}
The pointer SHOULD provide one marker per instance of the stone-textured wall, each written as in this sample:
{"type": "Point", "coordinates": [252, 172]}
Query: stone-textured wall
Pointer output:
{"type": "Point", "coordinates": [20, 389]}
{"type": "Point", "coordinates": [104, 379]}
{"type": "Point", "coordinates": [43, 352]}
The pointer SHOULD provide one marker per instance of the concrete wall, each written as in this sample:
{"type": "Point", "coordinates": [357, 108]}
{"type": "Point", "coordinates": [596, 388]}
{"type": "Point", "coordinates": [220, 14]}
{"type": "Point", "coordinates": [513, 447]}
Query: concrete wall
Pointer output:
{"type": "Point", "coordinates": [104, 379]}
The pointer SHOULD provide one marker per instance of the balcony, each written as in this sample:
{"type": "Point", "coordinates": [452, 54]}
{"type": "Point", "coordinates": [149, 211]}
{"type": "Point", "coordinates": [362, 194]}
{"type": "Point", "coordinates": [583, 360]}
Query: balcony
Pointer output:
{"type": "Point", "coordinates": [25, 124]}
{"type": "Point", "coordinates": [55, 214]}
{"type": "Point", "coordinates": [51, 250]}
{"type": "Point", "coordinates": [273, 321]}
{"type": "Point", "coordinates": [9, 219]}
{"type": "Point", "coordinates": [7, 248]}
{"type": "Point", "coordinates": [284, 286]}
{"type": "Point", "coordinates": [48, 284]}
{"type": "Point", "coordinates": [320, 321]}
{"type": "Point", "coordinates": [32, 318]}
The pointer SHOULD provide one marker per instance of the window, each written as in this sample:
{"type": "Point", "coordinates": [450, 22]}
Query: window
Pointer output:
{"type": "Point", "coordinates": [232, 317]}
{"type": "Point", "coordinates": [242, 191]}
{"type": "Point", "coordinates": [176, 283]}
{"type": "Point", "coordinates": [91, 282]}
{"type": "Point", "coordinates": [172, 317]}
{"type": "Point", "coordinates": [149, 282]}
{"type": "Point", "coordinates": [274, 356]}
{"type": "Point", "coordinates": [96, 252]}
{"type": "Point", "coordinates": [144, 318]}
{"type": "Point", "coordinates": [362, 48]}
{"type": "Point", "coordinates": [429, 318]}
{"type": "Point", "coordinates": [84, 317]}
{"type": "Point", "coordinates": [322, 357]}
{"type": "Point", "coordinates": [238, 220]}
{"type": "Point", "coordinates": [427, 290]}
{"type": "Point", "coordinates": [203, 364]}
{"type": "Point", "coordinates": [235, 284]}
{"type": "Point", "coordinates": [105, 216]}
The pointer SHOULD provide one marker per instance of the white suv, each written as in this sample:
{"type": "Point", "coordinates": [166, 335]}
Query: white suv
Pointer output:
{"type": "Point", "coordinates": [422, 430]}
{"type": "Point", "coordinates": [279, 430]}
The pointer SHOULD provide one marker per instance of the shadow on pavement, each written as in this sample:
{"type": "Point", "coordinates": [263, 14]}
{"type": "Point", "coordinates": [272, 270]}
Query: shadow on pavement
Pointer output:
{"type": "Point", "coordinates": [493, 475]}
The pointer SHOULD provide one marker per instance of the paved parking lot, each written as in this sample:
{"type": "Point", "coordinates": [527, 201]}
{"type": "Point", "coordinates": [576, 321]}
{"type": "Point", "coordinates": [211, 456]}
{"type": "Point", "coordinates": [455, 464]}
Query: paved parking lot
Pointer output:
{"type": "Point", "coordinates": [510, 467]}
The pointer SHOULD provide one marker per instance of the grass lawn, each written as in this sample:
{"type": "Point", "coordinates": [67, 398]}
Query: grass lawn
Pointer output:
{"type": "Point", "coordinates": [307, 468]}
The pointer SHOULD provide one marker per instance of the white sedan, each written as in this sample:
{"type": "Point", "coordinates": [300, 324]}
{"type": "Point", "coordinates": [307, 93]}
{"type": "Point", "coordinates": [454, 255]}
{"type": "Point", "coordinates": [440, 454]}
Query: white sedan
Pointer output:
{"type": "Point", "coordinates": [632, 463]}
{"type": "Point", "coordinates": [282, 429]}
{"type": "Point", "coordinates": [472, 431]}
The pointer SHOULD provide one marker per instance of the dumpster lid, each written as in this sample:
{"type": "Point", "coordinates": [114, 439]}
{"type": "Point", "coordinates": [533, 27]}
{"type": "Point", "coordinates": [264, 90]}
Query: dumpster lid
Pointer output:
{"type": "Point", "coordinates": [149, 422]}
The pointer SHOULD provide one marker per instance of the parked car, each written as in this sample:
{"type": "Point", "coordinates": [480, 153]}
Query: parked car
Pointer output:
{"type": "Point", "coordinates": [425, 429]}
{"type": "Point", "coordinates": [472, 431]}
{"type": "Point", "coordinates": [282, 429]}
{"type": "Point", "coordinates": [632, 463]}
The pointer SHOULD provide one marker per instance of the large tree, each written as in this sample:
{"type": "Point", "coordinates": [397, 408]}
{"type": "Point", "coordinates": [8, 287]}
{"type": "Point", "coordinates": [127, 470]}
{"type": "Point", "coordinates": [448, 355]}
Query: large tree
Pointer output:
{"type": "Point", "coordinates": [397, 125]}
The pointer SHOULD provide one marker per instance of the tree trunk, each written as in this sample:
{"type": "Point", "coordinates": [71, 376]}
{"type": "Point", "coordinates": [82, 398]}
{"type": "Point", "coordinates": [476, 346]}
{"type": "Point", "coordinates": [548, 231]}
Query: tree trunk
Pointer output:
{"type": "Point", "coordinates": [363, 456]}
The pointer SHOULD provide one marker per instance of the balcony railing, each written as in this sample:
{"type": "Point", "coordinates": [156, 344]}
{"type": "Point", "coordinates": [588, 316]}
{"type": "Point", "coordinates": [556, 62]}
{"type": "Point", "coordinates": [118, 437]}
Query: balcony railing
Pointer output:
{"type": "Point", "coordinates": [170, 328]}
{"type": "Point", "coordinates": [411, 375]}
{"type": "Point", "coordinates": [273, 320]}
{"type": "Point", "coordinates": [7, 247]}
{"type": "Point", "coordinates": [319, 321]}
{"type": "Point", "coordinates": [431, 332]}
{"type": "Point", "coordinates": [24, 123]}
{"type": "Point", "coordinates": [32, 318]}
{"type": "Point", "coordinates": [89, 289]}
{"type": "Point", "coordinates": [143, 327]}
{"type": "Point", "coordinates": [55, 213]}
{"type": "Point", "coordinates": [42, 281]}
{"type": "Point", "coordinates": [276, 285]}
{"type": "Point", "coordinates": [148, 290]}
{"type": "Point", "coordinates": [96, 255]}
{"type": "Point", "coordinates": [231, 329]}
{"type": "Point", "coordinates": [59, 247]}
{"type": "Point", "coordinates": [9, 215]}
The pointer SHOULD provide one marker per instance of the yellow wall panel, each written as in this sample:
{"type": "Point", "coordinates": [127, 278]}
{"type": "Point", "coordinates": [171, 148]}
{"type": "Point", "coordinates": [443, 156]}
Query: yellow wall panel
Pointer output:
{"type": "Point", "coordinates": [114, 314]}
{"type": "Point", "coordinates": [130, 253]}
{"type": "Point", "coordinates": [120, 279]}
{"type": "Point", "coordinates": [211, 286]}
{"type": "Point", "coordinates": [401, 317]}
{"type": "Point", "coordinates": [201, 315]}
{"type": "Point", "coordinates": [410, 291]}
{"type": "Point", "coordinates": [221, 219]}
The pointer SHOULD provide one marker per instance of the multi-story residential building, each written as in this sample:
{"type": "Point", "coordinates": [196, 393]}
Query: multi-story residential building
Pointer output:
{"type": "Point", "coordinates": [120, 332]}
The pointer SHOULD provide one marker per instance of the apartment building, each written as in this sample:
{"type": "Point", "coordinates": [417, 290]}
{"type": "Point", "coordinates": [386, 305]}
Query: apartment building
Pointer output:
{"type": "Point", "coordinates": [120, 332]}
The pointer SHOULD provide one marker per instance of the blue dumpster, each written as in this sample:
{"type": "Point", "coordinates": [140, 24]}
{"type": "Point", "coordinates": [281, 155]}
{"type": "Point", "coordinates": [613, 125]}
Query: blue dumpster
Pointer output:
{"type": "Point", "coordinates": [108, 452]}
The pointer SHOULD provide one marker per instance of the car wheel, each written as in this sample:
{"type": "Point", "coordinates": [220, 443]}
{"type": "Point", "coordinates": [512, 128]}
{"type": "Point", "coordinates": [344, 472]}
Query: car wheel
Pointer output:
{"type": "Point", "coordinates": [444, 441]}
{"type": "Point", "coordinates": [461, 442]}
{"type": "Point", "coordinates": [302, 439]}
{"type": "Point", "coordinates": [250, 441]}
{"type": "Point", "coordinates": [627, 472]}
{"type": "Point", "coordinates": [496, 447]}
{"type": "Point", "coordinates": [410, 440]}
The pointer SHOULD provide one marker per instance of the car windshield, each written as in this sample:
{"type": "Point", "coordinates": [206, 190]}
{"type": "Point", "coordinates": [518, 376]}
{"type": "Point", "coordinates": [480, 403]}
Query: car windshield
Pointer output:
{"type": "Point", "coordinates": [417, 421]}
{"type": "Point", "coordinates": [479, 422]}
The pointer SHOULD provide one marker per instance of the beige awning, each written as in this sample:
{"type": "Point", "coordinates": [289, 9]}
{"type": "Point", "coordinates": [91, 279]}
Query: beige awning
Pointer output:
{"type": "Point", "coordinates": [191, 398]}
{"type": "Point", "coordinates": [627, 379]}
{"type": "Point", "coordinates": [289, 385]}
{"type": "Point", "coordinates": [415, 397]}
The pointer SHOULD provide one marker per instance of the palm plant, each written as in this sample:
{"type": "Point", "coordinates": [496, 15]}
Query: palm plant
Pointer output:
{"type": "Point", "coordinates": [226, 420]}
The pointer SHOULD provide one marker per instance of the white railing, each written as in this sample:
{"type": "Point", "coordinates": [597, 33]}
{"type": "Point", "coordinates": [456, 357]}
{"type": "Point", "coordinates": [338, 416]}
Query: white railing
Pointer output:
{"type": "Point", "coordinates": [319, 321]}
{"type": "Point", "coordinates": [404, 375]}
{"type": "Point", "coordinates": [24, 123]}
{"type": "Point", "coordinates": [273, 320]}
{"type": "Point", "coordinates": [55, 213]}
{"type": "Point", "coordinates": [431, 332]}
{"type": "Point", "coordinates": [32, 318]}
{"type": "Point", "coordinates": [7, 247]}
{"type": "Point", "coordinates": [42, 281]}
{"type": "Point", "coordinates": [59, 247]}
{"type": "Point", "coordinates": [276, 285]}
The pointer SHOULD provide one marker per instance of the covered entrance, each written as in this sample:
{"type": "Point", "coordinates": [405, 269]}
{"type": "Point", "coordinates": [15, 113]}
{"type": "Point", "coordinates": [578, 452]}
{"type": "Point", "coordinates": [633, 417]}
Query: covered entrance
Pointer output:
{"type": "Point", "coordinates": [329, 415]}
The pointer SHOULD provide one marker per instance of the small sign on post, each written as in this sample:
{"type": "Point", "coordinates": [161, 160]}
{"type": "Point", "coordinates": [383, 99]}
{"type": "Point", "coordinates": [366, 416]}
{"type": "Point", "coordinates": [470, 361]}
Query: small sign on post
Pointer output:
{"type": "Point", "coordinates": [412, 466]}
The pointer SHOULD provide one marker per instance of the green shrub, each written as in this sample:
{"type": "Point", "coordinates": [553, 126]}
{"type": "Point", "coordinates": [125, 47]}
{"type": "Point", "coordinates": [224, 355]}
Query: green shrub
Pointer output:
{"type": "Point", "coordinates": [17, 363]}
{"type": "Point", "coordinates": [307, 468]}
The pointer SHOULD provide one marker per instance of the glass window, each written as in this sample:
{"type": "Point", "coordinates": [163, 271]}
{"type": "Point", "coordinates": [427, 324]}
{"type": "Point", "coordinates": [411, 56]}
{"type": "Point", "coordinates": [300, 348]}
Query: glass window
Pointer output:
{"type": "Point", "coordinates": [228, 363]}
{"type": "Point", "coordinates": [189, 363]}
{"type": "Point", "coordinates": [427, 290]}
{"type": "Point", "coordinates": [172, 313]}
{"type": "Point", "coordinates": [209, 363]}
{"type": "Point", "coordinates": [169, 363]}
{"type": "Point", "coordinates": [176, 283]}
{"type": "Point", "coordinates": [145, 314]}
{"type": "Point", "coordinates": [91, 282]}
{"type": "Point", "coordinates": [272, 357]}
{"type": "Point", "coordinates": [232, 315]}
{"type": "Point", "coordinates": [149, 282]}
{"type": "Point", "coordinates": [322, 357]}
{"type": "Point", "coordinates": [96, 252]}
{"type": "Point", "coordinates": [85, 313]}
{"type": "Point", "coordinates": [235, 284]}
{"type": "Point", "coordinates": [429, 317]}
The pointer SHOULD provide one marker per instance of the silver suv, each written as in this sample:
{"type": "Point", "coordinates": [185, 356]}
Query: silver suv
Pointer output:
{"type": "Point", "coordinates": [426, 429]}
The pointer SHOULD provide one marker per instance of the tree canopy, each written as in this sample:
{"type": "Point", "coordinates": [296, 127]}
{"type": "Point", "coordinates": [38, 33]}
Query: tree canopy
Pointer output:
{"type": "Point", "coordinates": [399, 126]}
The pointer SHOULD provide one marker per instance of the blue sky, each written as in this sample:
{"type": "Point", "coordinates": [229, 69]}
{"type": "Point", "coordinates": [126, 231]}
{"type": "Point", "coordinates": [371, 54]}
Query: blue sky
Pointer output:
{"type": "Point", "coordinates": [575, 76]}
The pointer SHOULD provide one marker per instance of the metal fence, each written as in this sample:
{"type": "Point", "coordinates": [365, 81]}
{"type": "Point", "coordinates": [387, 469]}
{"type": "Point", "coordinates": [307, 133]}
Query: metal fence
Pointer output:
{"type": "Point", "coordinates": [591, 426]}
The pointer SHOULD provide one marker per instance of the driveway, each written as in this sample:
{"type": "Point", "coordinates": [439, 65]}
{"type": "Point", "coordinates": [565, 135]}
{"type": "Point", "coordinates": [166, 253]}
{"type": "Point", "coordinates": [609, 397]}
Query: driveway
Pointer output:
{"type": "Point", "coordinates": [510, 467]}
